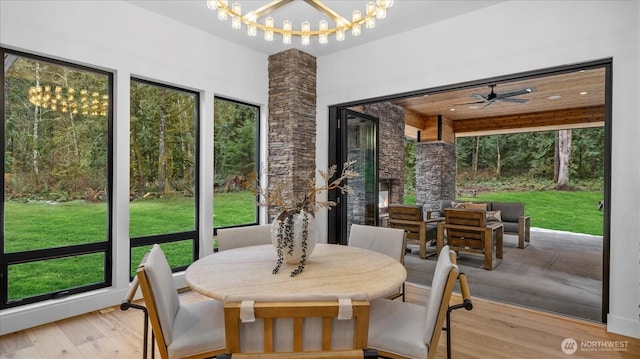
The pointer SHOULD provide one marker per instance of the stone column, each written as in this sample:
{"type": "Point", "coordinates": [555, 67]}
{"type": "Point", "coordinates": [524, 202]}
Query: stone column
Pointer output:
{"type": "Point", "coordinates": [292, 120]}
{"type": "Point", "coordinates": [435, 173]}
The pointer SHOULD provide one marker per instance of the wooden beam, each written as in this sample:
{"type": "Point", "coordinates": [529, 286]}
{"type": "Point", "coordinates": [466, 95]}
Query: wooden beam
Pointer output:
{"type": "Point", "coordinates": [414, 120]}
{"type": "Point", "coordinates": [537, 121]}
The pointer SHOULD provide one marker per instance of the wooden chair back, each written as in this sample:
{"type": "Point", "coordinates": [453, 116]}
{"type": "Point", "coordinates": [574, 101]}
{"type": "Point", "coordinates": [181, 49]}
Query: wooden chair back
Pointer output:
{"type": "Point", "coordinates": [409, 218]}
{"type": "Point", "coordinates": [465, 227]}
{"type": "Point", "coordinates": [298, 312]}
{"type": "Point", "coordinates": [468, 231]}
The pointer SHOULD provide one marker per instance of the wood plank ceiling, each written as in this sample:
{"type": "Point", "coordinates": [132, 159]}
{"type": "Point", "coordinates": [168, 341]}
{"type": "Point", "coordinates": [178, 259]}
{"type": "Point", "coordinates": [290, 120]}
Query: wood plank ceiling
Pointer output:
{"type": "Point", "coordinates": [568, 100]}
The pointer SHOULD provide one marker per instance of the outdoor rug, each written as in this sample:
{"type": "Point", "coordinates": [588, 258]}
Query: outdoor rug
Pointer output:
{"type": "Point", "coordinates": [559, 272]}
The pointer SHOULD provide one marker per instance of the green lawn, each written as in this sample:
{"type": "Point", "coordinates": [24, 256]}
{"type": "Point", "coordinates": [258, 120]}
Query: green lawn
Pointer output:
{"type": "Point", "coordinates": [37, 225]}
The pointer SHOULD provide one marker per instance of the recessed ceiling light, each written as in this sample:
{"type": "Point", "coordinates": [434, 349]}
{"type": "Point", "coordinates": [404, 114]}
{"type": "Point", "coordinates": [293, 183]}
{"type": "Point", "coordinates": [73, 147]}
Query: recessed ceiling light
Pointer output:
{"type": "Point", "coordinates": [583, 93]}
{"type": "Point", "coordinates": [452, 109]}
{"type": "Point", "coordinates": [554, 97]}
{"type": "Point", "coordinates": [473, 107]}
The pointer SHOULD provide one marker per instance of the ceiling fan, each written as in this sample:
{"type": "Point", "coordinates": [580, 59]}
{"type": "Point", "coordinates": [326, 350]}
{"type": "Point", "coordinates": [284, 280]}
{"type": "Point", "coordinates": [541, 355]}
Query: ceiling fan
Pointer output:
{"type": "Point", "coordinates": [506, 97]}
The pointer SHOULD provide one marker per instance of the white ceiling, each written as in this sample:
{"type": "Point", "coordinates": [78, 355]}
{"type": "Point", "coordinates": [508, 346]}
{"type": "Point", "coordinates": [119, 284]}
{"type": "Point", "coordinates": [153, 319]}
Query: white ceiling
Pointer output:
{"type": "Point", "coordinates": [403, 16]}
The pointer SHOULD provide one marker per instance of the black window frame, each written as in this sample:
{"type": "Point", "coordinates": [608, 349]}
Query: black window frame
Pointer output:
{"type": "Point", "coordinates": [105, 247]}
{"type": "Point", "coordinates": [194, 234]}
{"type": "Point", "coordinates": [257, 161]}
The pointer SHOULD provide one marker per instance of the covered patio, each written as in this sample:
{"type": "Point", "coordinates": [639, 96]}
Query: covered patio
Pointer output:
{"type": "Point", "coordinates": [559, 272]}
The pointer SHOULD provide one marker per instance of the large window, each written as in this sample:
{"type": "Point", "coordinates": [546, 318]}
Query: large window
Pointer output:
{"type": "Point", "coordinates": [56, 133]}
{"type": "Point", "coordinates": [236, 163]}
{"type": "Point", "coordinates": [163, 172]}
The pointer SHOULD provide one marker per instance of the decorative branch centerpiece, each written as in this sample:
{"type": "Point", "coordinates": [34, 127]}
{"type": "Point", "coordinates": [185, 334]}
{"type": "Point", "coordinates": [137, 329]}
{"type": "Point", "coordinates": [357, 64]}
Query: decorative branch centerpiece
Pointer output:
{"type": "Point", "coordinates": [294, 232]}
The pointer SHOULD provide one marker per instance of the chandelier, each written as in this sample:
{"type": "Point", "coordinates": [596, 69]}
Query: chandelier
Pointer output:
{"type": "Point", "coordinates": [69, 100]}
{"type": "Point", "coordinates": [373, 10]}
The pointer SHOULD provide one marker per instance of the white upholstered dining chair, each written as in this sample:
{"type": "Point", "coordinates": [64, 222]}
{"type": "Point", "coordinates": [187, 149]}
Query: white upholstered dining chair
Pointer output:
{"type": "Point", "coordinates": [389, 241]}
{"type": "Point", "coordinates": [408, 330]}
{"type": "Point", "coordinates": [182, 330]}
{"type": "Point", "coordinates": [237, 237]}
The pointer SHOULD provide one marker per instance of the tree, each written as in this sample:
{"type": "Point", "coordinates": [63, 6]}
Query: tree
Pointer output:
{"type": "Point", "coordinates": [474, 154]}
{"type": "Point", "coordinates": [564, 156]}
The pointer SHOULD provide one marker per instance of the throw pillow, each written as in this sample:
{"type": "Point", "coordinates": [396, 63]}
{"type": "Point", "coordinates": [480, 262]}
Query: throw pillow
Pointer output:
{"type": "Point", "coordinates": [482, 206]}
{"type": "Point", "coordinates": [457, 204]}
{"type": "Point", "coordinates": [494, 216]}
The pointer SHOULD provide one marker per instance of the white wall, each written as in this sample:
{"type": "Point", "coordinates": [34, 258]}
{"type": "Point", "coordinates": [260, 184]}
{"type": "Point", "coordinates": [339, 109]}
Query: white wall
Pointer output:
{"type": "Point", "coordinates": [507, 38]}
{"type": "Point", "coordinates": [128, 41]}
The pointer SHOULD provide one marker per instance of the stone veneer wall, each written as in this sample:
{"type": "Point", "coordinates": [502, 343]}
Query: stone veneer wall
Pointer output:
{"type": "Point", "coordinates": [390, 148]}
{"type": "Point", "coordinates": [435, 173]}
{"type": "Point", "coordinates": [292, 120]}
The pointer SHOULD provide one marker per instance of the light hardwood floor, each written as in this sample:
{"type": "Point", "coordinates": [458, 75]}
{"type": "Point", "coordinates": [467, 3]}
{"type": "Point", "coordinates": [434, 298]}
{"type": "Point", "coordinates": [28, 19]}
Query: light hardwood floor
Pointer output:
{"type": "Point", "coordinates": [490, 330]}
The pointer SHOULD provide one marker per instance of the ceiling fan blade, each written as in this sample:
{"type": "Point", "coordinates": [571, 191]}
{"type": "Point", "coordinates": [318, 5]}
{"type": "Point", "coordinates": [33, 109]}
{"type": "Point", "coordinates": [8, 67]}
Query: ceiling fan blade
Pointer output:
{"type": "Point", "coordinates": [488, 103]}
{"type": "Point", "coordinates": [517, 100]}
{"type": "Point", "coordinates": [469, 103]}
{"type": "Point", "coordinates": [516, 92]}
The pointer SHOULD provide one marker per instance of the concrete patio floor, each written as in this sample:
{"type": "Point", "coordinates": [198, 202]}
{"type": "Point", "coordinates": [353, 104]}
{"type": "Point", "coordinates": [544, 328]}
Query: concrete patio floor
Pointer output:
{"type": "Point", "coordinates": [560, 272]}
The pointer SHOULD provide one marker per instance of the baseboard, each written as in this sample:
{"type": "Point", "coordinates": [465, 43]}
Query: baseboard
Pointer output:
{"type": "Point", "coordinates": [623, 326]}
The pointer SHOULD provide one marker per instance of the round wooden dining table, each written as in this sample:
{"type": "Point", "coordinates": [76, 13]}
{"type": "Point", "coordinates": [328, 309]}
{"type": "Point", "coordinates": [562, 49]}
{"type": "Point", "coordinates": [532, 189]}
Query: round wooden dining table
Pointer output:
{"type": "Point", "coordinates": [331, 269]}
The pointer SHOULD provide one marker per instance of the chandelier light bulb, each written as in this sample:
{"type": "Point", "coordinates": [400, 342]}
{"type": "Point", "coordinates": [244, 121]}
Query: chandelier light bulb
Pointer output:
{"type": "Point", "coordinates": [268, 33]}
{"type": "Point", "coordinates": [306, 28]}
{"type": "Point", "coordinates": [370, 21]}
{"type": "Point", "coordinates": [356, 30]}
{"type": "Point", "coordinates": [212, 4]}
{"type": "Point", "coordinates": [286, 36]}
{"type": "Point", "coordinates": [235, 16]}
{"type": "Point", "coordinates": [381, 13]}
{"type": "Point", "coordinates": [222, 9]}
{"type": "Point", "coordinates": [340, 35]}
{"type": "Point", "coordinates": [252, 27]}
{"type": "Point", "coordinates": [323, 38]}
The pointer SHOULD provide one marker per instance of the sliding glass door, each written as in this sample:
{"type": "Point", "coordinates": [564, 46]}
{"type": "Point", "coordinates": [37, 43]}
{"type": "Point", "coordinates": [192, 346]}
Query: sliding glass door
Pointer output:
{"type": "Point", "coordinates": [354, 138]}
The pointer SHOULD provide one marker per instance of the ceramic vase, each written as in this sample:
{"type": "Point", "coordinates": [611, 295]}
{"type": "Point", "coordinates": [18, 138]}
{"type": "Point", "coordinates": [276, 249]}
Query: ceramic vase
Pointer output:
{"type": "Point", "coordinates": [294, 236]}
